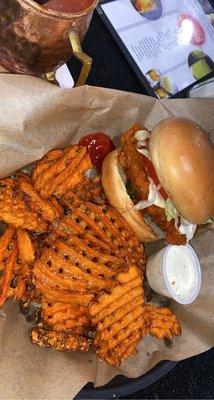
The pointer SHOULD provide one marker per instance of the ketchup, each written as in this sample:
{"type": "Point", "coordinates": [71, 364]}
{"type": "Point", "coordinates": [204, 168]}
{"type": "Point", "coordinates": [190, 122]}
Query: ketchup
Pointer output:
{"type": "Point", "coordinates": [98, 145]}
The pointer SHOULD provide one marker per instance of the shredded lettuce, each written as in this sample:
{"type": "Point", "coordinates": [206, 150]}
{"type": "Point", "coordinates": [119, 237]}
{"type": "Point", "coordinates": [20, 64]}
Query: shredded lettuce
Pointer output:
{"type": "Point", "coordinates": [210, 221]}
{"type": "Point", "coordinates": [142, 134]}
{"type": "Point", "coordinates": [145, 152]}
{"type": "Point", "coordinates": [170, 210]}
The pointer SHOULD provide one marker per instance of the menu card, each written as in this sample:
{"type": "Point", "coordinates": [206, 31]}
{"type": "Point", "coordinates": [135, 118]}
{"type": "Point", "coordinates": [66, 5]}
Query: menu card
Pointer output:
{"type": "Point", "coordinates": [169, 43]}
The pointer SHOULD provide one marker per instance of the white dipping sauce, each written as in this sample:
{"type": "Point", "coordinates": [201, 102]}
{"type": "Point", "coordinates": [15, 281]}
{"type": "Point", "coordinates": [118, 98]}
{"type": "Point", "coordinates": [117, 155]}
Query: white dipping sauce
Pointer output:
{"type": "Point", "coordinates": [174, 271]}
{"type": "Point", "coordinates": [181, 273]}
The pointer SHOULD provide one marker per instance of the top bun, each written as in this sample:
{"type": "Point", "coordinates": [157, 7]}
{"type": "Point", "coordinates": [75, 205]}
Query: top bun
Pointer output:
{"type": "Point", "coordinates": [183, 157]}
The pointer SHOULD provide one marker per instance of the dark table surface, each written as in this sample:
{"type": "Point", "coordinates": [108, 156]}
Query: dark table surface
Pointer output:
{"type": "Point", "coordinates": [192, 378]}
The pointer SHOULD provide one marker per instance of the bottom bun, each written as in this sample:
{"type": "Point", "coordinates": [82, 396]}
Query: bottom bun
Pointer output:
{"type": "Point", "coordinates": [116, 193]}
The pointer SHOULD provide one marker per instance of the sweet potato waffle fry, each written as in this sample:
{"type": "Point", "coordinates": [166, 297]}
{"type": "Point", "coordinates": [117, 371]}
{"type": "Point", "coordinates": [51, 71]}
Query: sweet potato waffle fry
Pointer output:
{"type": "Point", "coordinates": [62, 341]}
{"type": "Point", "coordinates": [88, 190]}
{"type": "Point", "coordinates": [39, 205]}
{"type": "Point", "coordinates": [117, 318]}
{"type": "Point", "coordinates": [17, 255]}
{"type": "Point", "coordinates": [161, 322]}
{"type": "Point", "coordinates": [104, 225]}
{"type": "Point", "coordinates": [83, 257]}
{"type": "Point", "coordinates": [15, 208]}
{"type": "Point", "coordinates": [58, 172]}
{"type": "Point", "coordinates": [72, 255]}
{"type": "Point", "coordinates": [7, 268]}
{"type": "Point", "coordinates": [63, 316]}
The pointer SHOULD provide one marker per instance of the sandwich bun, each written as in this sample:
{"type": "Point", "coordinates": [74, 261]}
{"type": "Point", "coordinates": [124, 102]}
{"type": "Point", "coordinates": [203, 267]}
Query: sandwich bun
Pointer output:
{"type": "Point", "coordinates": [115, 190]}
{"type": "Point", "coordinates": [183, 157]}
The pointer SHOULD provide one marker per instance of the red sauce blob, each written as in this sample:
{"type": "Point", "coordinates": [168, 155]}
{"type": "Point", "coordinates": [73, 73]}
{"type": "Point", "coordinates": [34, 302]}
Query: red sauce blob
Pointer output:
{"type": "Point", "coordinates": [98, 145]}
{"type": "Point", "coordinates": [151, 172]}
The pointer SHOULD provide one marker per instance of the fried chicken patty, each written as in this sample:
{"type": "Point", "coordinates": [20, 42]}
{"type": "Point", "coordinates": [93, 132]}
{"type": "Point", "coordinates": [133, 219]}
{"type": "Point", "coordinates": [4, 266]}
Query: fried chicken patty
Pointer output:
{"type": "Point", "coordinates": [132, 163]}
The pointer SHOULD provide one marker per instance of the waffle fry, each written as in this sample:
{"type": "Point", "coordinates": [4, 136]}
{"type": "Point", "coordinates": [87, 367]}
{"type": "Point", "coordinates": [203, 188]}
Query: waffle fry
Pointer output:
{"type": "Point", "coordinates": [77, 259]}
{"type": "Point", "coordinates": [66, 296]}
{"type": "Point", "coordinates": [118, 323]}
{"type": "Point", "coordinates": [78, 273]}
{"type": "Point", "coordinates": [72, 178]}
{"type": "Point", "coordinates": [63, 317]}
{"type": "Point", "coordinates": [88, 190]}
{"type": "Point", "coordinates": [26, 248]}
{"type": "Point", "coordinates": [17, 255]}
{"type": "Point", "coordinates": [56, 165]}
{"type": "Point", "coordinates": [36, 202]}
{"type": "Point", "coordinates": [162, 323]}
{"type": "Point", "coordinates": [42, 165]}
{"type": "Point", "coordinates": [58, 312]}
{"type": "Point", "coordinates": [22, 276]}
{"type": "Point", "coordinates": [104, 224]}
{"type": "Point", "coordinates": [96, 253]}
{"type": "Point", "coordinates": [61, 341]}
{"type": "Point", "coordinates": [62, 174]}
{"type": "Point", "coordinates": [58, 210]}
{"type": "Point", "coordinates": [15, 210]}
{"type": "Point", "coordinates": [25, 260]}
{"type": "Point", "coordinates": [7, 269]}
{"type": "Point", "coordinates": [5, 240]}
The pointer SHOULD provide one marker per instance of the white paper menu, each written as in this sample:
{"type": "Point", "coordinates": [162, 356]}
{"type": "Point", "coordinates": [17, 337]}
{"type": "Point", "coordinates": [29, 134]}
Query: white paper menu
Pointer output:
{"type": "Point", "coordinates": [171, 41]}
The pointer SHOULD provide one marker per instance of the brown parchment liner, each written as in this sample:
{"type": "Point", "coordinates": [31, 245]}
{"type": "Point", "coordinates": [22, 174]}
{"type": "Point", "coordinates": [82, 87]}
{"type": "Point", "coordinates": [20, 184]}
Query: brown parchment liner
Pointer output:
{"type": "Point", "coordinates": [36, 116]}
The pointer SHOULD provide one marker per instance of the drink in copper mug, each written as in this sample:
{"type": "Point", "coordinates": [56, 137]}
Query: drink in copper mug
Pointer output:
{"type": "Point", "coordinates": [65, 6]}
{"type": "Point", "coordinates": [36, 40]}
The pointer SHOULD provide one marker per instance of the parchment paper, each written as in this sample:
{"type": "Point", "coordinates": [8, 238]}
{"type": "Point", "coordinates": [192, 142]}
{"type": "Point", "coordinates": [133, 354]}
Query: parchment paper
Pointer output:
{"type": "Point", "coordinates": [36, 116]}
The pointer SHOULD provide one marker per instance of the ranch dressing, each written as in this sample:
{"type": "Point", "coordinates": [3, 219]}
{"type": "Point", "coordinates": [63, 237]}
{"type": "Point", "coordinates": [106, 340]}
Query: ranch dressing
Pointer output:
{"type": "Point", "coordinates": [181, 274]}
{"type": "Point", "coordinates": [186, 228]}
{"type": "Point", "coordinates": [155, 196]}
{"type": "Point", "coordinates": [175, 272]}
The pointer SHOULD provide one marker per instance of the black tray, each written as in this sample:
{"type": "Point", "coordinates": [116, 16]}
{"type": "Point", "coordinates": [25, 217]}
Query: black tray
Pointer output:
{"type": "Point", "coordinates": [122, 386]}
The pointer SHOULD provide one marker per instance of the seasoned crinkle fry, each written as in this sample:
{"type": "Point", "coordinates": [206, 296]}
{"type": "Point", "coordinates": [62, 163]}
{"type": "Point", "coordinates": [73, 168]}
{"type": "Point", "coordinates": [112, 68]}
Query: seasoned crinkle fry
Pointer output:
{"type": "Point", "coordinates": [117, 319]}
{"type": "Point", "coordinates": [15, 210]}
{"type": "Point", "coordinates": [62, 341]}
{"type": "Point", "coordinates": [57, 176]}
{"type": "Point", "coordinates": [161, 322]}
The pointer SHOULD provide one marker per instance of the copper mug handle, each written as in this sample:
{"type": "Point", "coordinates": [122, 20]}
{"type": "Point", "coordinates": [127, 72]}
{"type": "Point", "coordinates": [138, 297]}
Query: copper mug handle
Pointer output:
{"type": "Point", "coordinates": [80, 55]}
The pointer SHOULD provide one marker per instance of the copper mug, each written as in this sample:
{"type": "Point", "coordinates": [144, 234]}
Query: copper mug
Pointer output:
{"type": "Point", "coordinates": [36, 41]}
